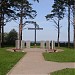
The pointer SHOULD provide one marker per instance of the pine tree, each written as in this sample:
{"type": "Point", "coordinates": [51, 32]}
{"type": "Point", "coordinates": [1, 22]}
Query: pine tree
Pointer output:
{"type": "Point", "coordinates": [5, 13]}
{"type": "Point", "coordinates": [74, 21]}
{"type": "Point", "coordinates": [57, 12]}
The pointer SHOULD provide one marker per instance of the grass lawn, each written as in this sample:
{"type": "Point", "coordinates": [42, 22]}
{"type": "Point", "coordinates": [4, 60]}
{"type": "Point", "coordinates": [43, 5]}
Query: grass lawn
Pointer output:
{"type": "Point", "coordinates": [66, 71]}
{"type": "Point", "coordinates": [8, 60]}
{"type": "Point", "coordinates": [68, 55]}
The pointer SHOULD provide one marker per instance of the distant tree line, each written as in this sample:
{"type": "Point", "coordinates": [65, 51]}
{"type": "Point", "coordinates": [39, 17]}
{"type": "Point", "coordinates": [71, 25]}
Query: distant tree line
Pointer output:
{"type": "Point", "coordinates": [10, 38]}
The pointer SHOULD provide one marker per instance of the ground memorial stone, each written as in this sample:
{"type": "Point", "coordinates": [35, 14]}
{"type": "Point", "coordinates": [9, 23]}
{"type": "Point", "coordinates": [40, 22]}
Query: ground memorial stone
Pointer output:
{"type": "Point", "coordinates": [27, 44]}
{"type": "Point", "coordinates": [47, 44]}
{"type": "Point", "coordinates": [52, 45]}
{"type": "Point", "coordinates": [17, 44]}
{"type": "Point", "coordinates": [22, 44]}
{"type": "Point", "coordinates": [42, 44]}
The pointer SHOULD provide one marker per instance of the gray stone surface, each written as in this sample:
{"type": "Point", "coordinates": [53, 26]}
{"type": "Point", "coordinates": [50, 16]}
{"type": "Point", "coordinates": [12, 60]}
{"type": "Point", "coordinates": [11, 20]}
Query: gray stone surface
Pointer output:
{"type": "Point", "coordinates": [22, 44]}
{"type": "Point", "coordinates": [52, 44]}
{"type": "Point", "coordinates": [17, 44]}
{"type": "Point", "coordinates": [27, 44]}
{"type": "Point", "coordinates": [42, 44]}
{"type": "Point", "coordinates": [47, 44]}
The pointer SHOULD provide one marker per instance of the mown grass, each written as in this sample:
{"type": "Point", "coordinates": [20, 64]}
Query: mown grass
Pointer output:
{"type": "Point", "coordinates": [8, 60]}
{"type": "Point", "coordinates": [67, 71]}
{"type": "Point", "coordinates": [68, 55]}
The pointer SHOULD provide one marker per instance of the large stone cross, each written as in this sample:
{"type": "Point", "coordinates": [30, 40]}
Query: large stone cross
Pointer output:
{"type": "Point", "coordinates": [35, 31]}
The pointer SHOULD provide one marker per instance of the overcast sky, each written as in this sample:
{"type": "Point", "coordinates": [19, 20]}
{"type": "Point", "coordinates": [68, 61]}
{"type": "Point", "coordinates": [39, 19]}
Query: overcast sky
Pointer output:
{"type": "Point", "coordinates": [49, 32]}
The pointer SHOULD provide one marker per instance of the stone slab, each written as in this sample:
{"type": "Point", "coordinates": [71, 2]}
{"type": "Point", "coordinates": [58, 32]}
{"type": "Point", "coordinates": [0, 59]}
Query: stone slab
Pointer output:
{"type": "Point", "coordinates": [42, 44]}
{"type": "Point", "coordinates": [17, 44]}
{"type": "Point", "coordinates": [27, 44]}
{"type": "Point", "coordinates": [52, 44]}
{"type": "Point", "coordinates": [22, 44]}
{"type": "Point", "coordinates": [47, 44]}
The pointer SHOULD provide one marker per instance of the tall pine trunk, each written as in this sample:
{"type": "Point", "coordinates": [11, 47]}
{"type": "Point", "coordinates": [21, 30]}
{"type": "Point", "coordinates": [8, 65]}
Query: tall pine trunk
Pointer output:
{"type": "Point", "coordinates": [0, 23]}
{"type": "Point", "coordinates": [2, 30]}
{"type": "Point", "coordinates": [20, 26]}
{"type": "Point", "coordinates": [0, 34]}
{"type": "Point", "coordinates": [68, 26]}
{"type": "Point", "coordinates": [74, 21]}
{"type": "Point", "coordinates": [58, 33]}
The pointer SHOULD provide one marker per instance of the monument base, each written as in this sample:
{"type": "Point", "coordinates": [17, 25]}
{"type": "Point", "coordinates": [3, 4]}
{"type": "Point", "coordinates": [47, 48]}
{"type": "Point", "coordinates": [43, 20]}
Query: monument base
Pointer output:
{"type": "Point", "coordinates": [34, 45]}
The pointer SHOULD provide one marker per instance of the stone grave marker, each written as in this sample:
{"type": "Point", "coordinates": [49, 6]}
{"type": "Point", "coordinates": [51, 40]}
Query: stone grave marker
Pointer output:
{"type": "Point", "coordinates": [42, 44]}
{"type": "Point", "coordinates": [47, 44]}
{"type": "Point", "coordinates": [17, 44]}
{"type": "Point", "coordinates": [27, 44]}
{"type": "Point", "coordinates": [52, 44]}
{"type": "Point", "coordinates": [22, 44]}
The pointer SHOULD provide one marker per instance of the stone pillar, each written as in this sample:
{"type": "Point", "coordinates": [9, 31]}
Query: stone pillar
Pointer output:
{"type": "Point", "coordinates": [17, 44]}
{"type": "Point", "coordinates": [42, 44]}
{"type": "Point", "coordinates": [47, 44]}
{"type": "Point", "coordinates": [52, 44]}
{"type": "Point", "coordinates": [22, 44]}
{"type": "Point", "coordinates": [27, 44]}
